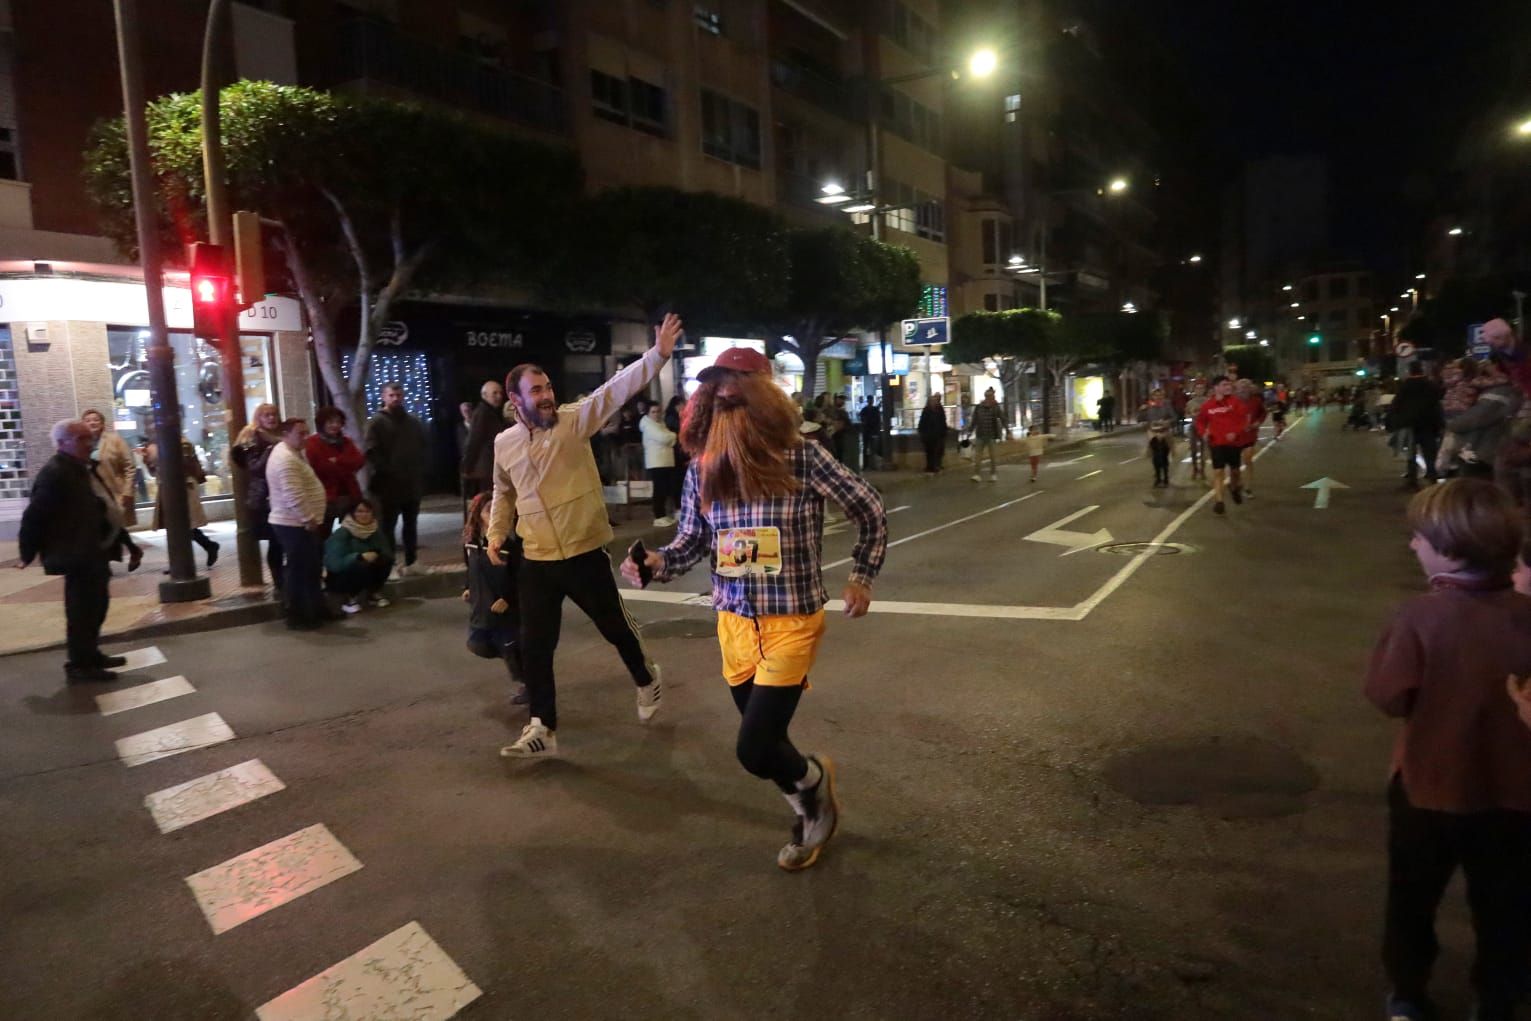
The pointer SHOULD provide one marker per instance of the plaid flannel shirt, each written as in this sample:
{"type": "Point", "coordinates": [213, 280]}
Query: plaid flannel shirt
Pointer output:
{"type": "Point", "coordinates": [799, 589]}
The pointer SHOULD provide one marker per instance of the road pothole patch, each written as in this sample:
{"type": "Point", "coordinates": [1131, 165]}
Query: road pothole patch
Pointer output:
{"type": "Point", "coordinates": [1238, 778]}
{"type": "Point", "coordinates": [1158, 549]}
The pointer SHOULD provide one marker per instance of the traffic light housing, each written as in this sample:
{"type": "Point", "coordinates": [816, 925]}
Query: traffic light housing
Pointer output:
{"type": "Point", "coordinates": [1315, 340]}
{"type": "Point", "coordinates": [212, 290]}
{"type": "Point", "coordinates": [249, 258]}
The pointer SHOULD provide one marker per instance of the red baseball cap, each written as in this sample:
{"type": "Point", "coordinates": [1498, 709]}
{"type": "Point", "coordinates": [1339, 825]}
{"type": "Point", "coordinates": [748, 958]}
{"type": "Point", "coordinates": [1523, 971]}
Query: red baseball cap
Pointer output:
{"type": "Point", "coordinates": [735, 359]}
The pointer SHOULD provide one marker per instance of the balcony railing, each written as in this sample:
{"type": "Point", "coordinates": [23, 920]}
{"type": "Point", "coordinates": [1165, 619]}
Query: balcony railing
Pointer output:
{"type": "Point", "coordinates": [374, 51]}
{"type": "Point", "coordinates": [836, 97]}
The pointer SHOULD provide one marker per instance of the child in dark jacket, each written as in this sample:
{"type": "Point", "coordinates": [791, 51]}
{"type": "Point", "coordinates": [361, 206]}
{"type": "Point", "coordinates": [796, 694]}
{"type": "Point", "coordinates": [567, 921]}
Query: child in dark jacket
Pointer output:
{"type": "Point", "coordinates": [357, 559]}
{"type": "Point", "coordinates": [1460, 784]}
{"type": "Point", "coordinates": [493, 608]}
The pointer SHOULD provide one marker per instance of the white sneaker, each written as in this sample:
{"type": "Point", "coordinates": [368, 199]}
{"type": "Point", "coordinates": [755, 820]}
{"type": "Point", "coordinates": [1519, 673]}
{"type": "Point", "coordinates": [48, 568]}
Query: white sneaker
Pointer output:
{"type": "Point", "coordinates": [977, 479]}
{"type": "Point", "coordinates": [535, 742]}
{"type": "Point", "coordinates": [379, 600]}
{"type": "Point", "coordinates": [664, 522]}
{"type": "Point", "coordinates": [649, 696]}
{"type": "Point", "coordinates": [818, 817]}
{"type": "Point", "coordinates": [350, 607]}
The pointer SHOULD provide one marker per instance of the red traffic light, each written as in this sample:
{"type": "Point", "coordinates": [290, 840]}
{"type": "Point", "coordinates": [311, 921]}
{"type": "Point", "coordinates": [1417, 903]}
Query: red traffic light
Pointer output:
{"type": "Point", "coordinates": [212, 290]}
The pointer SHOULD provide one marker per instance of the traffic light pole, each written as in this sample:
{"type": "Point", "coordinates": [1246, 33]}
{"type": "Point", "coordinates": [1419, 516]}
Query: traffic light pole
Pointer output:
{"type": "Point", "coordinates": [184, 585]}
{"type": "Point", "coordinates": [221, 232]}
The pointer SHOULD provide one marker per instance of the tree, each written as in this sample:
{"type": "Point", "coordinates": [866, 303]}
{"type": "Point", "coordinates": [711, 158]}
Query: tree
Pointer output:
{"type": "Point", "coordinates": [840, 280]}
{"type": "Point", "coordinates": [370, 199]}
{"type": "Point", "coordinates": [1254, 362]}
{"type": "Point", "coordinates": [713, 259]}
{"type": "Point", "coordinates": [1023, 340]}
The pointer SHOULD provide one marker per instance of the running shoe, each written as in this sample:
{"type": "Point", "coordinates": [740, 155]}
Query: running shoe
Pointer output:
{"type": "Point", "coordinates": [1218, 508]}
{"type": "Point", "coordinates": [818, 818]}
{"type": "Point", "coordinates": [535, 742]}
{"type": "Point", "coordinates": [977, 479]}
{"type": "Point", "coordinates": [664, 522]}
{"type": "Point", "coordinates": [378, 599]}
{"type": "Point", "coordinates": [649, 695]}
{"type": "Point", "coordinates": [520, 697]}
{"type": "Point", "coordinates": [350, 606]}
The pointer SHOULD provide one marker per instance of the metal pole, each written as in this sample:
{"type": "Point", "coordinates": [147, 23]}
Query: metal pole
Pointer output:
{"type": "Point", "coordinates": [184, 585]}
{"type": "Point", "coordinates": [874, 186]}
{"type": "Point", "coordinates": [221, 232]}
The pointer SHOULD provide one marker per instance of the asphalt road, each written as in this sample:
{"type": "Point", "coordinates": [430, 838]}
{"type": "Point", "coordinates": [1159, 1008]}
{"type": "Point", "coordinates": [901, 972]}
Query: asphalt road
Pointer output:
{"type": "Point", "coordinates": [1077, 785]}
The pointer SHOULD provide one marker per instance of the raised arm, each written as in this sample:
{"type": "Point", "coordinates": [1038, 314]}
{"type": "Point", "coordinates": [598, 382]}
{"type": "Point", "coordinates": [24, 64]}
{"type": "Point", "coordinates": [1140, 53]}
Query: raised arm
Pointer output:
{"type": "Point", "coordinates": [590, 413]}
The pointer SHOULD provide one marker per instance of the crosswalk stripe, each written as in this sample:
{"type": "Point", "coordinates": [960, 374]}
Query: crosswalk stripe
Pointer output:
{"type": "Point", "coordinates": [139, 659]}
{"type": "Point", "coordinates": [251, 884]}
{"type": "Point", "coordinates": [176, 807]}
{"type": "Point", "coordinates": [140, 695]}
{"type": "Point", "coordinates": [162, 742]}
{"type": "Point", "coordinates": [404, 974]}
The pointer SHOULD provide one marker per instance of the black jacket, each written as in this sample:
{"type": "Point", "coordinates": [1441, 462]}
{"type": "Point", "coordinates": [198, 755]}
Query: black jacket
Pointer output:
{"type": "Point", "coordinates": [932, 427]}
{"type": "Point", "coordinates": [1417, 405]}
{"type": "Point", "coordinates": [478, 451]}
{"type": "Point", "coordinates": [65, 522]}
{"type": "Point", "coordinates": [487, 583]}
{"type": "Point", "coordinates": [252, 456]}
{"type": "Point", "coordinates": [396, 454]}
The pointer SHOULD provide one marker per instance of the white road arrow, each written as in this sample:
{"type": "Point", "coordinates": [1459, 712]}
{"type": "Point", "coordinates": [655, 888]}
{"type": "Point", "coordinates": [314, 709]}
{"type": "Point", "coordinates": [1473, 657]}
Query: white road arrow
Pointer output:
{"type": "Point", "coordinates": [1076, 541]}
{"type": "Point", "coordinates": [1324, 486]}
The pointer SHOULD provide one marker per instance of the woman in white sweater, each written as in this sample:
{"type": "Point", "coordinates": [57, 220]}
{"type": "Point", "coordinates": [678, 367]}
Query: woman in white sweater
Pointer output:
{"type": "Point", "coordinates": [659, 461]}
{"type": "Point", "coordinates": [297, 512]}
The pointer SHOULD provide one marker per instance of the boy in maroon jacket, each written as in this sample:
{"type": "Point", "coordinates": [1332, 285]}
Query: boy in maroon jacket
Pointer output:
{"type": "Point", "coordinates": [1223, 421]}
{"type": "Point", "coordinates": [1460, 787]}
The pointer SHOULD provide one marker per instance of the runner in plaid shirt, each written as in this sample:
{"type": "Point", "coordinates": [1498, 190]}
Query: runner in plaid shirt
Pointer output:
{"type": "Point", "coordinates": [754, 505]}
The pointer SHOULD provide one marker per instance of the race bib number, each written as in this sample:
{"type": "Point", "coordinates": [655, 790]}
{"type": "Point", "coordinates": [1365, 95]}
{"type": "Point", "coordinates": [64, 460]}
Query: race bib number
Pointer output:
{"type": "Point", "coordinates": [747, 552]}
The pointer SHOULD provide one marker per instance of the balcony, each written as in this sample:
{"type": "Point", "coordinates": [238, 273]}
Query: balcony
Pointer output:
{"type": "Point", "coordinates": [373, 51]}
{"type": "Point", "coordinates": [829, 94]}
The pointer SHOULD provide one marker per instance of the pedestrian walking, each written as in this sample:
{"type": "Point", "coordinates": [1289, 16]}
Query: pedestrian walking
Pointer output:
{"type": "Point", "coordinates": [1417, 408]}
{"type": "Point", "coordinates": [754, 507]}
{"type": "Point", "coordinates": [547, 486]}
{"type": "Point", "coordinates": [1197, 443]}
{"type": "Point", "coordinates": [494, 606]}
{"type": "Point", "coordinates": [932, 429]}
{"type": "Point", "coordinates": [659, 463]}
{"type": "Point", "coordinates": [986, 431]}
{"type": "Point", "coordinates": [488, 421]}
{"type": "Point", "coordinates": [118, 468]}
{"type": "Point", "coordinates": [1222, 422]}
{"type": "Point", "coordinates": [841, 436]}
{"type": "Point", "coordinates": [357, 559]}
{"type": "Point", "coordinates": [194, 474]}
{"type": "Point", "coordinates": [252, 450]}
{"type": "Point", "coordinates": [1105, 410]}
{"type": "Point", "coordinates": [1159, 418]}
{"type": "Point", "coordinates": [336, 460]}
{"type": "Point", "coordinates": [1036, 447]}
{"type": "Point", "coordinates": [395, 447]}
{"type": "Point", "coordinates": [73, 521]}
{"type": "Point", "coordinates": [297, 511]}
{"type": "Point", "coordinates": [871, 435]}
{"type": "Point", "coordinates": [1459, 791]}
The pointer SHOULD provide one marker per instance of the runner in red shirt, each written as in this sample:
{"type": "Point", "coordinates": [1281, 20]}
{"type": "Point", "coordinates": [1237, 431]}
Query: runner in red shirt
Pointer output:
{"type": "Point", "coordinates": [1250, 394]}
{"type": "Point", "coordinates": [1222, 421]}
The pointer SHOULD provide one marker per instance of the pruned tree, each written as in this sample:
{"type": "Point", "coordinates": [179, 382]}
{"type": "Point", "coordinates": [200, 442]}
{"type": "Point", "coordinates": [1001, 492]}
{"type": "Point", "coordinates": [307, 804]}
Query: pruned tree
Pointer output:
{"type": "Point", "coordinates": [1022, 340]}
{"type": "Point", "coordinates": [840, 280]}
{"type": "Point", "coordinates": [370, 199]}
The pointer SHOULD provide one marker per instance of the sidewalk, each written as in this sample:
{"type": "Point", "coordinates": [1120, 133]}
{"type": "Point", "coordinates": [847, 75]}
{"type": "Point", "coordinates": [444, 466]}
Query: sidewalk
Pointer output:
{"type": "Point", "coordinates": [32, 603]}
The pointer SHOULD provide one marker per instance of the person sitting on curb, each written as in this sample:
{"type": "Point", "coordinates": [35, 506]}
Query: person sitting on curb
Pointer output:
{"type": "Point", "coordinates": [357, 559]}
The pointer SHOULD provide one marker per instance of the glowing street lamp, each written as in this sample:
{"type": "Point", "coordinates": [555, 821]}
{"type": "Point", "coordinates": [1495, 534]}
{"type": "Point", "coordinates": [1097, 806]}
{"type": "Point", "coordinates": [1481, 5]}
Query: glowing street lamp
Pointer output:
{"type": "Point", "coordinates": [982, 63]}
{"type": "Point", "coordinates": [1250, 334]}
{"type": "Point", "coordinates": [1117, 186]}
{"type": "Point", "coordinates": [1234, 323]}
{"type": "Point", "coordinates": [832, 194]}
{"type": "Point", "coordinates": [1129, 308]}
{"type": "Point", "coordinates": [1419, 276]}
{"type": "Point", "coordinates": [1523, 129]}
{"type": "Point", "coordinates": [1455, 232]}
{"type": "Point", "coordinates": [1194, 258]}
{"type": "Point", "coordinates": [1286, 287]}
{"type": "Point", "coordinates": [1265, 343]}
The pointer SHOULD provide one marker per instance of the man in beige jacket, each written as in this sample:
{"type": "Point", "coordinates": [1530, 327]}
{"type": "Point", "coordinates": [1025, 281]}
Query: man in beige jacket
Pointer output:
{"type": "Point", "coordinates": [547, 483]}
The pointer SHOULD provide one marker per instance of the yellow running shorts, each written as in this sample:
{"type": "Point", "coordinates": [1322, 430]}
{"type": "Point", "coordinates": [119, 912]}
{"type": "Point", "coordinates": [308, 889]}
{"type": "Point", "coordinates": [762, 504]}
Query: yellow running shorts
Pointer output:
{"type": "Point", "coordinates": [776, 651]}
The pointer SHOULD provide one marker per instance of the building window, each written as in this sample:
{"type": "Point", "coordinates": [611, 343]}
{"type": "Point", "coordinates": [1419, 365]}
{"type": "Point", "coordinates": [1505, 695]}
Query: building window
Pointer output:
{"type": "Point", "coordinates": [914, 212]}
{"type": "Point", "coordinates": [1310, 290]}
{"type": "Point", "coordinates": [1338, 350]}
{"type": "Point", "coordinates": [930, 218]}
{"type": "Point", "coordinates": [647, 106]}
{"type": "Point", "coordinates": [911, 31]}
{"type": "Point", "coordinates": [631, 102]}
{"type": "Point", "coordinates": [730, 130]}
{"type": "Point", "coordinates": [990, 244]}
{"type": "Point", "coordinates": [608, 97]}
{"type": "Point", "coordinates": [1337, 316]}
{"type": "Point", "coordinates": [1012, 108]}
{"type": "Point", "coordinates": [1339, 287]}
{"type": "Point", "coordinates": [910, 120]}
{"type": "Point", "coordinates": [708, 19]}
{"type": "Point", "coordinates": [991, 303]}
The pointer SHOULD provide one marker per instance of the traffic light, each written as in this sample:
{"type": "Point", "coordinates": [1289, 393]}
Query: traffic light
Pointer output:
{"type": "Point", "coordinates": [1315, 340]}
{"type": "Point", "coordinates": [212, 290]}
{"type": "Point", "coordinates": [249, 258]}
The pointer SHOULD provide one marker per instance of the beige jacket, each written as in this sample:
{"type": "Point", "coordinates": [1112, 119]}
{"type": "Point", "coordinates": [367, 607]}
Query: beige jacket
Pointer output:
{"type": "Point", "coordinates": [297, 495]}
{"type": "Point", "coordinates": [119, 471]}
{"type": "Point", "coordinates": [546, 483]}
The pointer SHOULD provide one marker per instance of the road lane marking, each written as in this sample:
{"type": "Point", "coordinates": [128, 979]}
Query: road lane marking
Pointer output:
{"type": "Point", "coordinates": [404, 974]}
{"type": "Point", "coordinates": [162, 742]}
{"type": "Point", "coordinates": [1132, 459]}
{"type": "Point", "coordinates": [251, 884]}
{"type": "Point", "coordinates": [1057, 535]}
{"type": "Point", "coordinates": [139, 659]}
{"type": "Point", "coordinates": [966, 610]}
{"type": "Point", "coordinates": [940, 528]}
{"type": "Point", "coordinates": [138, 696]}
{"type": "Point", "coordinates": [1064, 464]}
{"type": "Point", "coordinates": [177, 807]}
{"type": "Point", "coordinates": [905, 507]}
{"type": "Point", "coordinates": [1088, 474]}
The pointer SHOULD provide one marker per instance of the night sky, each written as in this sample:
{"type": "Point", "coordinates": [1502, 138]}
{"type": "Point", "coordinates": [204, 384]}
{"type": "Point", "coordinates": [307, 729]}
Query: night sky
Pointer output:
{"type": "Point", "coordinates": [1387, 91]}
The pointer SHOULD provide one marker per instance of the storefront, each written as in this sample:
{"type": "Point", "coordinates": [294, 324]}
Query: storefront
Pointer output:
{"type": "Point", "coordinates": [78, 340]}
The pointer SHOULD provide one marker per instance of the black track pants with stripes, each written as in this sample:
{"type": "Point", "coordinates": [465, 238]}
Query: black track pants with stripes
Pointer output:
{"type": "Point", "coordinates": [586, 579]}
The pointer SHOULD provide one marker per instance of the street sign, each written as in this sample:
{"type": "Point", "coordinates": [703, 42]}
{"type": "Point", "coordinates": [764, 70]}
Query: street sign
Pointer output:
{"type": "Point", "coordinates": [1324, 486]}
{"type": "Point", "coordinates": [1404, 349]}
{"type": "Point", "coordinates": [927, 332]}
{"type": "Point", "coordinates": [1476, 345]}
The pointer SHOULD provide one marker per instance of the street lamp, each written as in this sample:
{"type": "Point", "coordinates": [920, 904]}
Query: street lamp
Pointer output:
{"type": "Point", "coordinates": [1455, 232]}
{"type": "Point", "coordinates": [982, 63]}
{"type": "Point", "coordinates": [1194, 258]}
{"type": "Point", "coordinates": [1419, 276]}
{"type": "Point", "coordinates": [1234, 323]}
{"type": "Point", "coordinates": [832, 193]}
{"type": "Point", "coordinates": [1250, 334]}
{"type": "Point", "coordinates": [1265, 343]}
{"type": "Point", "coordinates": [1286, 287]}
{"type": "Point", "coordinates": [1295, 304]}
{"type": "Point", "coordinates": [1129, 308]}
{"type": "Point", "coordinates": [1117, 186]}
{"type": "Point", "coordinates": [1523, 129]}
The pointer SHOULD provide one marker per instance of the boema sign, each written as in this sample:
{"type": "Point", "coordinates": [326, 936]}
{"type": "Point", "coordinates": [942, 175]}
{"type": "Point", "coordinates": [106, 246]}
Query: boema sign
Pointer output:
{"type": "Point", "coordinates": [124, 303]}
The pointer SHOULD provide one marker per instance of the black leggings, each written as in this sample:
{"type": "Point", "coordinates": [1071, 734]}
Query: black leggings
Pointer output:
{"type": "Point", "coordinates": [1160, 446]}
{"type": "Point", "coordinates": [587, 580]}
{"type": "Point", "coordinates": [763, 747]}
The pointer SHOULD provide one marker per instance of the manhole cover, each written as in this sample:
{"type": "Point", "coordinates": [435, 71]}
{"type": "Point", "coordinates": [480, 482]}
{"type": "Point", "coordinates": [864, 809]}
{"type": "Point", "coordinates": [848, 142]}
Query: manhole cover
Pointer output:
{"type": "Point", "coordinates": [1158, 549]}
{"type": "Point", "coordinates": [1240, 778]}
{"type": "Point", "coordinates": [681, 627]}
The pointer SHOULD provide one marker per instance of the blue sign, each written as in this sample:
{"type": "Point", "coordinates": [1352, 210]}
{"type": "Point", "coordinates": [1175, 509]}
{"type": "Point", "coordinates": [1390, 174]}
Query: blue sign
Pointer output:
{"type": "Point", "coordinates": [856, 366]}
{"type": "Point", "coordinates": [1476, 345]}
{"type": "Point", "coordinates": [927, 332]}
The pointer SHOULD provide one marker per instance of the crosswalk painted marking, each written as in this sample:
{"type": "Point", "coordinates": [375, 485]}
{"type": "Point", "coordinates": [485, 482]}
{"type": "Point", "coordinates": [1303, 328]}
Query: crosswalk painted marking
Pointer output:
{"type": "Point", "coordinates": [140, 659]}
{"type": "Point", "coordinates": [140, 695]}
{"type": "Point", "coordinates": [173, 739]}
{"type": "Point", "coordinates": [403, 975]}
{"type": "Point", "coordinates": [176, 807]}
{"type": "Point", "coordinates": [251, 884]}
